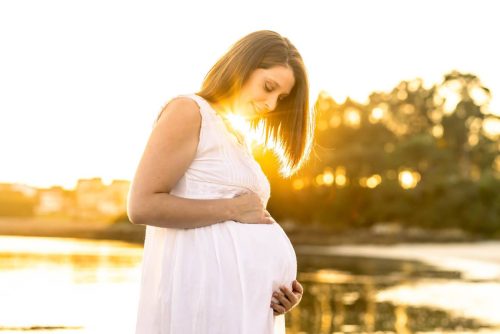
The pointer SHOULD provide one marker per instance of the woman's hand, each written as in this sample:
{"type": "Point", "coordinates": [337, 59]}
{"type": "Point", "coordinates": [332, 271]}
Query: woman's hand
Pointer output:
{"type": "Point", "coordinates": [285, 300]}
{"type": "Point", "coordinates": [250, 210]}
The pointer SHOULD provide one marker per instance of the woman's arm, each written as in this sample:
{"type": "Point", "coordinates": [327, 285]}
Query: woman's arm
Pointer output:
{"type": "Point", "coordinates": [165, 210]}
{"type": "Point", "coordinates": [169, 151]}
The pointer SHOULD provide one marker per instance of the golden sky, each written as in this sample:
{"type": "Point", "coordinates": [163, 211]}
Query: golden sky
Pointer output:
{"type": "Point", "coordinates": [81, 82]}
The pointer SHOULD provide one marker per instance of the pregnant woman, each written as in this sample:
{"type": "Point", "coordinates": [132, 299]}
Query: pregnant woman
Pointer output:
{"type": "Point", "coordinates": [215, 261]}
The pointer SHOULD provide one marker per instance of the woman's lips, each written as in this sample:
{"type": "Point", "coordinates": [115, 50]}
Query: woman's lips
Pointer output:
{"type": "Point", "coordinates": [257, 109]}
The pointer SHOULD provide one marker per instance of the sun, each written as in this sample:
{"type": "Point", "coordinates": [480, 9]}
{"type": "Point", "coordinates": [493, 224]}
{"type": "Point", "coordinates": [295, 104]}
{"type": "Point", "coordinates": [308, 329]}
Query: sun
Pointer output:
{"type": "Point", "coordinates": [242, 125]}
{"type": "Point", "coordinates": [256, 137]}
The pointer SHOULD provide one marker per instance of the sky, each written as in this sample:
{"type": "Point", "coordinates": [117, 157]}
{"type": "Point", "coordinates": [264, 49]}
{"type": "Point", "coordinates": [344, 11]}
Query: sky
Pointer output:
{"type": "Point", "coordinates": [81, 82]}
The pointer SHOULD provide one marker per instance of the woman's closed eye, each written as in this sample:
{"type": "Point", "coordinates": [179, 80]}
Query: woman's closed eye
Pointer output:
{"type": "Point", "coordinates": [270, 90]}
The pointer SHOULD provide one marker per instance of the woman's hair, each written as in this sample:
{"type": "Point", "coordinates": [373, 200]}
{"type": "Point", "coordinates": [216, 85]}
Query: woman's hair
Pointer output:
{"type": "Point", "coordinates": [289, 128]}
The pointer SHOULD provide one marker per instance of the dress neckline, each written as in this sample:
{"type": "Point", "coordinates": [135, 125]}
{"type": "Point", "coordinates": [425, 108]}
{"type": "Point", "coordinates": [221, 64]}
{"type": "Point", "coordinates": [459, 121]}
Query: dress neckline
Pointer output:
{"type": "Point", "coordinates": [237, 145]}
{"type": "Point", "coordinates": [233, 137]}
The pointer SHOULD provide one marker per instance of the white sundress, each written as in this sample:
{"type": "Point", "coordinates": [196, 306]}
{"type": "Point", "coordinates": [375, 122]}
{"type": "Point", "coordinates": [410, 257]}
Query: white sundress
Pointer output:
{"type": "Point", "coordinates": [216, 279]}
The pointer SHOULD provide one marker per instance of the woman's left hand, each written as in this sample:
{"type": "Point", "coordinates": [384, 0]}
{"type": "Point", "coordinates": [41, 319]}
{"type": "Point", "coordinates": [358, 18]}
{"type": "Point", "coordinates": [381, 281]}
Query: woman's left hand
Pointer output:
{"type": "Point", "coordinates": [287, 299]}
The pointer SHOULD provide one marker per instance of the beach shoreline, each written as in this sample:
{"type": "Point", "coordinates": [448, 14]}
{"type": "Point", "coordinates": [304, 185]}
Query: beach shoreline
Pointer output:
{"type": "Point", "coordinates": [299, 235]}
{"type": "Point", "coordinates": [64, 228]}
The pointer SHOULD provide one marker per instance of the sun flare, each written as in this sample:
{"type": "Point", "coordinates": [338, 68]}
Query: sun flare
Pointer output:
{"type": "Point", "coordinates": [256, 137]}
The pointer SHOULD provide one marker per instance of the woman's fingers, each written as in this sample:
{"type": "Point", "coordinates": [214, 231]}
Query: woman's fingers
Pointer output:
{"type": "Point", "coordinates": [268, 219]}
{"type": "Point", "coordinates": [283, 299]}
{"type": "Point", "coordinates": [287, 299]}
{"type": "Point", "coordinates": [297, 287]}
{"type": "Point", "coordinates": [298, 290]}
{"type": "Point", "coordinates": [290, 295]}
{"type": "Point", "coordinates": [278, 309]}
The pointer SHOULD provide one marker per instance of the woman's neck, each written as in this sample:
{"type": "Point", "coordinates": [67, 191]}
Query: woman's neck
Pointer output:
{"type": "Point", "coordinates": [222, 105]}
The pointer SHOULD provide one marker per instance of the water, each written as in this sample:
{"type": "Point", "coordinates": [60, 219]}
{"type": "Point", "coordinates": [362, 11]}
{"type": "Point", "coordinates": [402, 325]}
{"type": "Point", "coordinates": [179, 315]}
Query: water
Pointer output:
{"type": "Point", "coordinates": [55, 285]}
{"type": "Point", "coordinates": [419, 288]}
{"type": "Point", "coordinates": [67, 285]}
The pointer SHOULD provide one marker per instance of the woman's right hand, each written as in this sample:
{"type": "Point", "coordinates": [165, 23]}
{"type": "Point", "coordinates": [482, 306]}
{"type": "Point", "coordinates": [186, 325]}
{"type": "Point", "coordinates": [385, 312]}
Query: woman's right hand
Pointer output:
{"type": "Point", "coordinates": [249, 209]}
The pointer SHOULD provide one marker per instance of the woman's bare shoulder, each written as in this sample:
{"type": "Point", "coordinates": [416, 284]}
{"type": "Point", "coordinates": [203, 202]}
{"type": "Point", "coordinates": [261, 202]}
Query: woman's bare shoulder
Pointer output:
{"type": "Point", "coordinates": [180, 108]}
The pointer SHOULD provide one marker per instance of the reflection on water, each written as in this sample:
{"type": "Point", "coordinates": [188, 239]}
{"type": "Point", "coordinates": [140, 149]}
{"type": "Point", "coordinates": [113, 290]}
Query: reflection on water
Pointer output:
{"type": "Point", "coordinates": [368, 293]}
{"type": "Point", "coordinates": [67, 285]}
{"type": "Point", "coordinates": [53, 285]}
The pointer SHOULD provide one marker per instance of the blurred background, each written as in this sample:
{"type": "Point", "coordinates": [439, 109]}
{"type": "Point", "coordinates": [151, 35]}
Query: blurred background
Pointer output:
{"type": "Point", "coordinates": [395, 219]}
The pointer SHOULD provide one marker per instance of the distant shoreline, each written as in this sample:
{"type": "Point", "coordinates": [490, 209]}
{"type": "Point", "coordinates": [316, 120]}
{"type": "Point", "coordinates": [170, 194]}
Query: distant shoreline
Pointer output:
{"type": "Point", "coordinates": [62, 228]}
{"type": "Point", "coordinates": [306, 235]}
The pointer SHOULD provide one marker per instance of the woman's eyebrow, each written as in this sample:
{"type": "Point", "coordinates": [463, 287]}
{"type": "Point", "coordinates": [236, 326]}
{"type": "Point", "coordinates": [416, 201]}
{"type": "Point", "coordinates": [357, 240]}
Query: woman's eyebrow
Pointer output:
{"type": "Point", "coordinates": [274, 82]}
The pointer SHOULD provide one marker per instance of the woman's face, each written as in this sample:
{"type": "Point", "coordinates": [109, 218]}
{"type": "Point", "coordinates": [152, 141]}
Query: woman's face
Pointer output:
{"type": "Point", "coordinates": [263, 90]}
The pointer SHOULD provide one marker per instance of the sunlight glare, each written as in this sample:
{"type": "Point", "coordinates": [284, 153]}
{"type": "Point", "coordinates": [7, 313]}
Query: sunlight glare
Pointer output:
{"type": "Point", "coordinates": [370, 182]}
{"type": "Point", "coordinates": [437, 130]}
{"type": "Point", "coordinates": [340, 176]}
{"type": "Point", "coordinates": [408, 178]}
{"type": "Point", "coordinates": [328, 177]}
{"type": "Point", "coordinates": [352, 117]}
{"type": "Point", "coordinates": [491, 127]}
{"type": "Point", "coordinates": [377, 114]}
{"type": "Point", "coordinates": [257, 137]}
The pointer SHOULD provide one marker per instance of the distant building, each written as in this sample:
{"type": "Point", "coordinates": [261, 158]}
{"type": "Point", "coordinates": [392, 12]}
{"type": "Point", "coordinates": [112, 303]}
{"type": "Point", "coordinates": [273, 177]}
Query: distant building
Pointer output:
{"type": "Point", "coordinates": [26, 190]}
{"type": "Point", "coordinates": [17, 200]}
{"type": "Point", "coordinates": [94, 200]}
{"type": "Point", "coordinates": [50, 201]}
{"type": "Point", "coordinates": [55, 201]}
{"type": "Point", "coordinates": [115, 198]}
{"type": "Point", "coordinates": [88, 195]}
{"type": "Point", "coordinates": [90, 200]}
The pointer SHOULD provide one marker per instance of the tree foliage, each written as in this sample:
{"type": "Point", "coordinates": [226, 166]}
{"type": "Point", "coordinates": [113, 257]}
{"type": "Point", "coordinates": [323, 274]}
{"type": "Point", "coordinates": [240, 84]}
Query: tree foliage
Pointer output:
{"type": "Point", "coordinates": [432, 136]}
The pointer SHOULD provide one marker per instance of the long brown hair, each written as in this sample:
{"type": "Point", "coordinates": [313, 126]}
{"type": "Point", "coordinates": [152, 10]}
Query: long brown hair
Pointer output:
{"type": "Point", "coordinates": [289, 128]}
